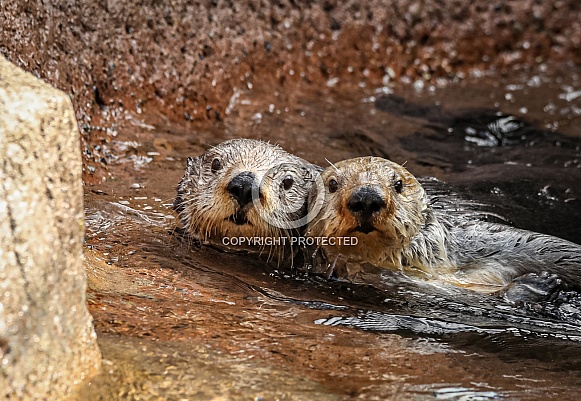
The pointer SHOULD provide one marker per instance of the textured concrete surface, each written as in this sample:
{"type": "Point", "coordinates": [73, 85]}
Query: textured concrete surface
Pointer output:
{"type": "Point", "coordinates": [47, 342]}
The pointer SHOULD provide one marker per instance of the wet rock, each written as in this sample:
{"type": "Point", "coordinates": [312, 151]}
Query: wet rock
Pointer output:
{"type": "Point", "coordinates": [120, 59]}
{"type": "Point", "coordinates": [47, 342]}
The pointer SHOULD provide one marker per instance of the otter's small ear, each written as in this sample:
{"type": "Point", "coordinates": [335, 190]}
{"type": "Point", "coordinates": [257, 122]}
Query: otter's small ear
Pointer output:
{"type": "Point", "coordinates": [311, 175]}
{"type": "Point", "coordinates": [193, 165]}
{"type": "Point", "coordinates": [311, 172]}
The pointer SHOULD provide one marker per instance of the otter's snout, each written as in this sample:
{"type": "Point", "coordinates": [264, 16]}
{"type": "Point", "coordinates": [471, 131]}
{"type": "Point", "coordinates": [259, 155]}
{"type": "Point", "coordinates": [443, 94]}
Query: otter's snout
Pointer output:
{"type": "Point", "coordinates": [241, 188]}
{"type": "Point", "coordinates": [363, 202]}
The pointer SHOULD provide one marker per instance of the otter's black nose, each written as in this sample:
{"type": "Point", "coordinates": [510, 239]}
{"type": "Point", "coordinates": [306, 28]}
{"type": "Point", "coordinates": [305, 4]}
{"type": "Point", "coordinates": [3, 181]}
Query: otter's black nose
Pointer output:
{"type": "Point", "coordinates": [241, 188]}
{"type": "Point", "coordinates": [364, 202]}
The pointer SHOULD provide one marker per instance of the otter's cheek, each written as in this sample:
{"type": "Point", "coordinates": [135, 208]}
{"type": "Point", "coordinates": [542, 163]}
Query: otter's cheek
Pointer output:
{"type": "Point", "coordinates": [267, 199]}
{"type": "Point", "coordinates": [255, 218]}
{"type": "Point", "coordinates": [223, 203]}
{"type": "Point", "coordinates": [338, 213]}
{"type": "Point", "coordinates": [344, 227]}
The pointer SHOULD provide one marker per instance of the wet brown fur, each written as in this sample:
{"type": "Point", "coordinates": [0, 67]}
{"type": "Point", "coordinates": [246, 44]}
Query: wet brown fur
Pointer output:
{"type": "Point", "coordinates": [205, 206]}
{"type": "Point", "coordinates": [410, 236]}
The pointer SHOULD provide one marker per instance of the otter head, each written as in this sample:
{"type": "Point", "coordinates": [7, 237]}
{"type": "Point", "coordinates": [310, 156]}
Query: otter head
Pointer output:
{"type": "Point", "coordinates": [373, 199]}
{"type": "Point", "coordinates": [243, 188]}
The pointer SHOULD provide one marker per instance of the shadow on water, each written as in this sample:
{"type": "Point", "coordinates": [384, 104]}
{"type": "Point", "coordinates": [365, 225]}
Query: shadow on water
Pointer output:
{"type": "Point", "coordinates": [502, 160]}
{"type": "Point", "coordinates": [180, 320]}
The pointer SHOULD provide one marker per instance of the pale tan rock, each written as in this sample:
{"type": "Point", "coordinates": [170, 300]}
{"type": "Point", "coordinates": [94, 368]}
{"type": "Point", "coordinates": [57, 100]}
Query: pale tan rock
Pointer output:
{"type": "Point", "coordinates": [47, 342]}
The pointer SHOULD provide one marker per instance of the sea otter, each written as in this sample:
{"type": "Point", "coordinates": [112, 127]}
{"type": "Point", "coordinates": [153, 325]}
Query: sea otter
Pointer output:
{"type": "Point", "coordinates": [385, 207]}
{"type": "Point", "coordinates": [245, 191]}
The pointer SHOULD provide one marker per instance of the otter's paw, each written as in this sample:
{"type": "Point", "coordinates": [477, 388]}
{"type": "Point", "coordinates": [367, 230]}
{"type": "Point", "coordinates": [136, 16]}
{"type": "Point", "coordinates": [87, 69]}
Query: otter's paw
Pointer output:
{"type": "Point", "coordinates": [531, 288]}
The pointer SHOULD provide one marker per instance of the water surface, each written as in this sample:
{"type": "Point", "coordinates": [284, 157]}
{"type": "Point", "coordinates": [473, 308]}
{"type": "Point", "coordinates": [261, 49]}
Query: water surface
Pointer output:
{"type": "Point", "coordinates": [177, 320]}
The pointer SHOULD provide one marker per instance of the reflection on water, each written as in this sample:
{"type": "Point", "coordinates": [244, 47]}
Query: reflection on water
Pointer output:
{"type": "Point", "coordinates": [141, 370]}
{"type": "Point", "coordinates": [177, 320]}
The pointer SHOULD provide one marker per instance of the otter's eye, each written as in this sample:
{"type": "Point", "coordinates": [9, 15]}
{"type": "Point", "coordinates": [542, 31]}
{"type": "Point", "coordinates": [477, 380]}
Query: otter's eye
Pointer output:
{"type": "Point", "coordinates": [333, 185]}
{"type": "Point", "coordinates": [288, 182]}
{"type": "Point", "coordinates": [216, 165]}
{"type": "Point", "coordinates": [398, 186]}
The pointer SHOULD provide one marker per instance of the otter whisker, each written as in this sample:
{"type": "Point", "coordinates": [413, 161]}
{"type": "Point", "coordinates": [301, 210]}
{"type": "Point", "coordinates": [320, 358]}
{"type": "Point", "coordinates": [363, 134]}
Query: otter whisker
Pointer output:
{"type": "Point", "coordinates": [335, 167]}
{"type": "Point", "coordinates": [216, 185]}
{"type": "Point", "coordinates": [415, 232]}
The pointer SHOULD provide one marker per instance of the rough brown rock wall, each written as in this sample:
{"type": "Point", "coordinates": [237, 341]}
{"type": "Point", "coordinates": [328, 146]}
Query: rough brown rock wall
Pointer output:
{"type": "Point", "coordinates": [182, 59]}
{"type": "Point", "coordinates": [47, 342]}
